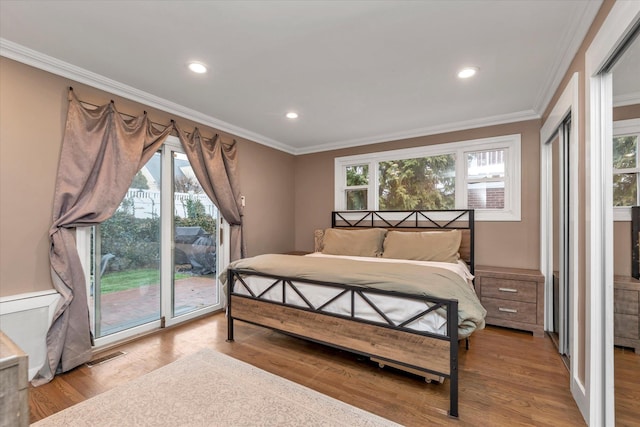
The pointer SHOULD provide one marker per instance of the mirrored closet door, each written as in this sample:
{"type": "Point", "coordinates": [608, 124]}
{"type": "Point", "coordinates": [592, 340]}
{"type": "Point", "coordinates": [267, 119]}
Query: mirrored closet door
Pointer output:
{"type": "Point", "coordinates": [626, 193]}
{"type": "Point", "coordinates": [558, 208]}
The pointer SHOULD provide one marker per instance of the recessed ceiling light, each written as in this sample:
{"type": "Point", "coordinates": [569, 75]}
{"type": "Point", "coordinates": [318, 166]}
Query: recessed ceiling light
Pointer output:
{"type": "Point", "coordinates": [197, 67]}
{"type": "Point", "coordinates": [292, 115]}
{"type": "Point", "coordinates": [467, 72]}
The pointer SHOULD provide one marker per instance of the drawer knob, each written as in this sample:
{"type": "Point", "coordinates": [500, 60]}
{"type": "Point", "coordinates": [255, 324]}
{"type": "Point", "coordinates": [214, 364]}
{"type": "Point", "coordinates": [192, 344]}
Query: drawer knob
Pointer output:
{"type": "Point", "coordinates": [507, 310]}
{"type": "Point", "coordinates": [515, 291]}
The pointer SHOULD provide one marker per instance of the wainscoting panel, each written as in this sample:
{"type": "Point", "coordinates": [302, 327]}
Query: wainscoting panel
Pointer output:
{"type": "Point", "coordinates": [25, 318]}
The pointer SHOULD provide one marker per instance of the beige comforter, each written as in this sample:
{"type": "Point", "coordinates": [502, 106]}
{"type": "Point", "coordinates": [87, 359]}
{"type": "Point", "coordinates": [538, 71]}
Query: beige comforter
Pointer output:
{"type": "Point", "coordinates": [397, 277]}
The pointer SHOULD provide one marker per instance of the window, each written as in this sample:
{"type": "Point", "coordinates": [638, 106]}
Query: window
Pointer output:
{"type": "Point", "coordinates": [481, 174]}
{"type": "Point", "coordinates": [485, 179]}
{"type": "Point", "coordinates": [626, 167]}
{"type": "Point", "coordinates": [357, 186]}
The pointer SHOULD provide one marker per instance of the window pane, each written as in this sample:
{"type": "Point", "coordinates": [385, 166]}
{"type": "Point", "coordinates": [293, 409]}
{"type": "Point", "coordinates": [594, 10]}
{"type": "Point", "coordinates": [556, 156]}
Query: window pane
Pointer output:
{"type": "Point", "coordinates": [356, 200]}
{"type": "Point", "coordinates": [357, 175]}
{"type": "Point", "coordinates": [624, 152]}
{"type": "Point", "coordinates": [422, 183]}
{"type": "Point", "coordinates": [485, 195]}
{"type": "Point", "coordinates": [485, 164]}
{"type": "Point", "coordinates": [126, 280]}
{"type": "Point", "coordinates": [195, 236]}
{"type": "Point", "coordinates": [625, 189]}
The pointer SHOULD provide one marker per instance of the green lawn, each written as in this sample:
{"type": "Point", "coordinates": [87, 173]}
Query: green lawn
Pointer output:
{"type": "Point", "coordinates": [123, 280]}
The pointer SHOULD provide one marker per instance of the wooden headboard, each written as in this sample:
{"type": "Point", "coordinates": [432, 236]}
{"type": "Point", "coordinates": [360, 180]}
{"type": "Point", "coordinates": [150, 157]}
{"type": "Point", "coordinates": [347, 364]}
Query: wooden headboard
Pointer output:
{"type": "Point", "coordinates": [418, 220]}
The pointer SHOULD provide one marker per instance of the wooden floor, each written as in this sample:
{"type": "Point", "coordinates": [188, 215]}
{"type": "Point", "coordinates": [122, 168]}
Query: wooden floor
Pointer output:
{"type": "Point", "coordinates": [627, 385]}
{"type": "Point", "coordinates": [506, 378]}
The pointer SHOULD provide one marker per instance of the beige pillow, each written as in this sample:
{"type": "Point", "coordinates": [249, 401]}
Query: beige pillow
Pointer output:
{"type": "Point", "coordinates": [439, 246]}
{"type": "Point", "coordinates": [367, 242]}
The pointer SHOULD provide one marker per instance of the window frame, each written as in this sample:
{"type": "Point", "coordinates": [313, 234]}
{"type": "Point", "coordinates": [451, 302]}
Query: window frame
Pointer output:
{"type": "Point", "coordinates": [624, 128]}
{"type": "Point", "coordinates": [510, 143]}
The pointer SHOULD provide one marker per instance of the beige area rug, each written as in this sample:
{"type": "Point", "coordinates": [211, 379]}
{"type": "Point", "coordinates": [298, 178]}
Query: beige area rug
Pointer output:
{"type": "Point", "coordinates": [211, 389]}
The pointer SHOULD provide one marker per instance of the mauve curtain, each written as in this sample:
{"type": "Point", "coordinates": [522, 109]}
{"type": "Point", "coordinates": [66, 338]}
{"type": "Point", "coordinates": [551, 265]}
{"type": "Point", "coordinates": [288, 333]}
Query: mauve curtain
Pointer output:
{"type": "Point", "coordinates": [215, 165]}
{"type": "Point", "coordinates": [101, 154]}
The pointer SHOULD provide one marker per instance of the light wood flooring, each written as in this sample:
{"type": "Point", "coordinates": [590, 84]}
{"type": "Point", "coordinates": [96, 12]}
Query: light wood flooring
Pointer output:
{"type": "Point", "coordinates": [507, 377]}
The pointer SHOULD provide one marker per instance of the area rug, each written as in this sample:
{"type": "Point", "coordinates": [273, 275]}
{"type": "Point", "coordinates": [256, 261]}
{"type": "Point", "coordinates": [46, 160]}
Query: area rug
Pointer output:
{"type": "Point", "coordinates": [211, 389]}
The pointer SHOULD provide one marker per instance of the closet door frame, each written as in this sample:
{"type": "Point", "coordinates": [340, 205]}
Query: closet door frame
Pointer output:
{"type": "Point", "coordinates": [568, 104]}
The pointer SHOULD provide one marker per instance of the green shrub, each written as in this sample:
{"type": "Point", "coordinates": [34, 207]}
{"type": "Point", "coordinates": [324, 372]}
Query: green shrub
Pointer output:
{"type": "Point", "coordinates": [135, 242]}
{"type": "Point", "coordinates": [196, 216]}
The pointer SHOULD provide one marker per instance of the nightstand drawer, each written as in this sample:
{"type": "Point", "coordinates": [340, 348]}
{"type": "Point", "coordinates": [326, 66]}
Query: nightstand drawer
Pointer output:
{"type": "Point", "coordinates": [625, 302]}
{"type": "Point", "coordinates": [626, 326]}
{"type": "Point", "coordinates": [626, 312]}
{"type": "Point", "coordinates": [517, 311]}
{"type": "Point", "coordinates": [516, 290]}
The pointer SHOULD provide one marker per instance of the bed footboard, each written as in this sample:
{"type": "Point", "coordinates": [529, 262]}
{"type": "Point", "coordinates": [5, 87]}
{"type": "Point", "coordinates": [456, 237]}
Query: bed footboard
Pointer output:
{"type": "Point", "coordinates": [385, 341]}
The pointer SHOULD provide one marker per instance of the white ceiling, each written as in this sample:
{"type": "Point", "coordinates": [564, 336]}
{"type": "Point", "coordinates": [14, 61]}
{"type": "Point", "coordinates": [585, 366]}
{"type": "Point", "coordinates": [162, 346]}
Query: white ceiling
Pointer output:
{"type": "Point", "coordinates": [357, 72]}
{"type": "Point", "coordinates": [626, 76]}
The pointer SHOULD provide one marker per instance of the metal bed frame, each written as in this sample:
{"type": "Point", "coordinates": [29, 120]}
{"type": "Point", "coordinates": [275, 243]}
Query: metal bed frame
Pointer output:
{"type": "Point", "coordinates": [385, 341]}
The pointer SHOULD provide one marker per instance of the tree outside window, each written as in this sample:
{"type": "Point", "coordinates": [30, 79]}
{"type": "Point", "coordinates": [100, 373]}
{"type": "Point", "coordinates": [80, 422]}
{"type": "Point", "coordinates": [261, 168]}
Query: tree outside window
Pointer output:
{"type": "Point", "coordinates": [357, 187]}
{"type": "Point", "coordinates": [625, 170]}
{"type": "Point", "coordinates": [420, 183]}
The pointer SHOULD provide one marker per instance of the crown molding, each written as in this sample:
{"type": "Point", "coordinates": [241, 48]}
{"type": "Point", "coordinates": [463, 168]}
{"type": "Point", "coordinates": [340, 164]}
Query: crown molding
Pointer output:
{"type": "Point", "coordinates": [52, 65]}
{"type": "Point", "coordinates": [576, 32]}
{"type": "Point", "coordinates": [431, 130]}
{"type": "Point", "coordinates": [626, 99]}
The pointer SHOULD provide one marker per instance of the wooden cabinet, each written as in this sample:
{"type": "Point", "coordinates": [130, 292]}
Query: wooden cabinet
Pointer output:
{"type": "Point", "coordinates": [513, 297]}
{"type": "Point", "coordinates": [626, 307]}
{"type": "Point", "coordinates": [14, 398]}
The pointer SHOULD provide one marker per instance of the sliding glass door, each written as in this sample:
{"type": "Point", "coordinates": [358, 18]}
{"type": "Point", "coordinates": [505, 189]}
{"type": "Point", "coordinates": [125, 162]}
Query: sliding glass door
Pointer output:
{"type": "Point", "coordinates": [126, 259]}
{"type": "Point", "coordinates": [194, 259]}
{"type": "Point", "coordinates": [155, 261]}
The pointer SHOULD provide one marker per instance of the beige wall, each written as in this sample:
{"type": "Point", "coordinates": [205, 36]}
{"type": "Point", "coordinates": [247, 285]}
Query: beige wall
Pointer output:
{"type": "Point", "coordinates": [627, 112]}
{"type": "Point", "coordinates": [28, 164]}
{"type": "Point", "coordinates": [510, 244]}
{"type": "Point", "coordinates": [622, 248]}
{"type": "Point", "coordinates": [33, 108]}
{"type": "Point", "coordinates": [267, 182]}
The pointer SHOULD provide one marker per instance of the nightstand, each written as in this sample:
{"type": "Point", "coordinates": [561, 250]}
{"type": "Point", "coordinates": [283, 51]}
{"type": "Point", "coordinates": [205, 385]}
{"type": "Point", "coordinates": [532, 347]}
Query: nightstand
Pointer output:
{"type": "Point", "coordinates": [626, 307]}
{"type": "Point", "coordinates": [14, 384]}
{"type": "Point", "coordinates": [513, 297]}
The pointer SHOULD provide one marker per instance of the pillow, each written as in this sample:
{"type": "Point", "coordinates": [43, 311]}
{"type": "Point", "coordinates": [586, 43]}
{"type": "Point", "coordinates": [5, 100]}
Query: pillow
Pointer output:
{"type": "Point", "coordinates": [366, 242]}
{"type": "Point", "coordinates": [423, 246]}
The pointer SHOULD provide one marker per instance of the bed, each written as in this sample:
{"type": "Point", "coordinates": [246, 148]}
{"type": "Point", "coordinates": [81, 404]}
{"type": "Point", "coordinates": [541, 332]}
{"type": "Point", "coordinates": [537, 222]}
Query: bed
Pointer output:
{"type": "Point", "coordinates": [394, 286]}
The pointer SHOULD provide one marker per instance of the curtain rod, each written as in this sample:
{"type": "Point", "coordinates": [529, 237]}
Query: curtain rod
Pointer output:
{"type": "Point", "coordinates": [152, 122]}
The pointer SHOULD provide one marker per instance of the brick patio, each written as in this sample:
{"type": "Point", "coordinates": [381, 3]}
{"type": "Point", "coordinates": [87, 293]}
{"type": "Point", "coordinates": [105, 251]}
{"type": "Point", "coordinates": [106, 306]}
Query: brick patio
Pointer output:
{"type": "Point", "coordinates": [133, 307]}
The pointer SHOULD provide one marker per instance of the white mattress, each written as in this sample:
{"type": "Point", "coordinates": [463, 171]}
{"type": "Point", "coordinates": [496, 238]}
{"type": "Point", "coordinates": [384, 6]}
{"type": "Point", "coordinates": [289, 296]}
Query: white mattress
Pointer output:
{"type": "Point", "coordinates": [395, 308]}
